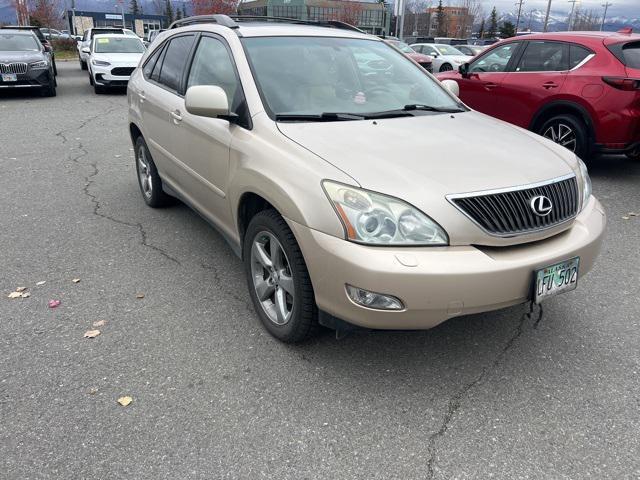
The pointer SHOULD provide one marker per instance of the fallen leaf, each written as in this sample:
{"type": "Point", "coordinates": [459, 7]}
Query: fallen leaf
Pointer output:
{"type": "Point", "coordinates": [76, 280]}
{"type": "Point", "coordinates": [54, 303]}
{"type": "Point", "coordinates": [140, 295]}
{"type": "Point", "coordinates": [14, 295]}
{"type": "Point", "coordinates": [93, 391]}
{"type": "Point", "coordinates": [625, 218]}
{"type": "Point", "coordinates": [25, 294]}
{"type": "Point", "coordinates": [91, 333]}
{"type": "Point", "coordinates": [117, 156]}
{"type": "Point", "coordinates": [100, 323]}
{"type": "Point", "coordinates": [124, 401]}
{"type": "Point", "coordinates": [633, 214]}
{"type": "Point", "coordinates": [41, 283]}
{"type": "Point", "coordinates": [21, 289]}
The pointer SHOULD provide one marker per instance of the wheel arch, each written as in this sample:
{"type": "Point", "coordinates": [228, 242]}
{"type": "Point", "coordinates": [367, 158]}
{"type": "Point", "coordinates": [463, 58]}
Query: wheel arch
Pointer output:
{"type": "Point", "coordinates": [561, 107]}
{"type": "Point", "coordinates": [134, 132]}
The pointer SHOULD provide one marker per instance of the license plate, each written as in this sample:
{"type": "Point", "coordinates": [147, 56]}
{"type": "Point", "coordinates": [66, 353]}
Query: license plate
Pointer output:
{"type": "Point", "coordinates": [9, 77]}
{"type": "Point", "coordinates": [555, 279]}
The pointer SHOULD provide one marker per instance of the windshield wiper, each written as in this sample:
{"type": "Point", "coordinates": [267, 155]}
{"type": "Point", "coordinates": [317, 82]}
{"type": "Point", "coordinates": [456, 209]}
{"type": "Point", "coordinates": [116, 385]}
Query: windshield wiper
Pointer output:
{"type": "Point", "coordinates": [322, 117]}
{"type": "Point", "coordinates": [429, 108]}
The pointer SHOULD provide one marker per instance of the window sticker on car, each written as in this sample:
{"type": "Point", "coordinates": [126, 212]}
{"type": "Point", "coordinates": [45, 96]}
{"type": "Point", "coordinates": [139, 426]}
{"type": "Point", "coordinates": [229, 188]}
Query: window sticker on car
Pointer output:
{"type": "Point", "coordinates": [103, 40]}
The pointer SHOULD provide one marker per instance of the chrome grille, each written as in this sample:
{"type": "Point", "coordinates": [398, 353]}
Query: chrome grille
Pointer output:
{"type": "Point", "coordinates": [13, 68]}
{"type": "Point", "coordinates": [509, 212]}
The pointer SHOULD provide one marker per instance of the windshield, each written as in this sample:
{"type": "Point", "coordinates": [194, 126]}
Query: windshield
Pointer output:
{"type": "Point", "coordinates": [315, 75]}
{"type": "Point", "coordinates": [448, 50]}
{"type": "Point", "coordinates": [11, 42]}
{"type": "Point", "coordinates": [403, 47]}
{"type": "Point", "coordinates": [118, 45]}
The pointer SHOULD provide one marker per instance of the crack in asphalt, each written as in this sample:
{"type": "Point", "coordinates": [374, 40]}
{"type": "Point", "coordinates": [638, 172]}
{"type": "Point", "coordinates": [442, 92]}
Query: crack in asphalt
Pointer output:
{"type": "Point", "coordinates": [89, 180]}
{"type": "Point", "coordinates": [455, 402]}
{"type": "Point", "coordinates": [221, 285]}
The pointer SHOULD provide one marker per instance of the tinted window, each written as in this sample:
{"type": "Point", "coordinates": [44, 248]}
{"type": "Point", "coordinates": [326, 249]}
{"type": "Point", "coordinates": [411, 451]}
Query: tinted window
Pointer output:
{"type": "Point", "coordinates": [429, 50]}
{"type": "Point", "coordinates": [544, 57]}
{"type": "Point", "coordinates": [175, 60]}
{"type": "Point", "coordinates": [576, 55]}
{"type": "Point", "coordinates": [151, 62]}
{"type": "Point", "coordinates": [212, 66]}
{"type": "Point", "coordinates": [631, 54]}
{"type": "Point", "coordinates": [496, 60]}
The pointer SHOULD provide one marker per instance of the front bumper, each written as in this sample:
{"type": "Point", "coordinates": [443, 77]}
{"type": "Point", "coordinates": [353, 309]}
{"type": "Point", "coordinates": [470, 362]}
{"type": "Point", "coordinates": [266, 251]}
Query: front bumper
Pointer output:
{"type": "Point", "coordinates": [31, 79]}
{"type": "Point", "coordinates": [109, 76]}
{"type": "Point", "coordinates": [438, 283]}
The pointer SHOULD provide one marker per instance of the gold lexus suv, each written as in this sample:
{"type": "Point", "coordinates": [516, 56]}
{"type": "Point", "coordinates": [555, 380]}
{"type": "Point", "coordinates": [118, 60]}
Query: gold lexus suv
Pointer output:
{"type": "Point", "coordinates": [356, 188]}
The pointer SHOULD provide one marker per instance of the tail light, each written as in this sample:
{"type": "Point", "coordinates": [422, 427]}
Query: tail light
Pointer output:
{"type": "Point", "coordinates": [622, 83]}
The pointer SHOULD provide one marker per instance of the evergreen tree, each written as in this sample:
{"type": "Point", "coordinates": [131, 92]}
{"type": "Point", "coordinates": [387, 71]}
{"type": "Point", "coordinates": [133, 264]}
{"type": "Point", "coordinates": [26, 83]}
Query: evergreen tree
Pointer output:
{"type": "Point", "coordinates": [178, 14]}
{"type": "Point", "coordinates": [507, 30]}
{"type": "Point", "coordinates": [168, 11]}
{"type": "Point", "coordinates": [493, 23]}
{"type": "Point", "coordinates": [184, 11]}
{"type": "Point", "coordinates": [135, 8]}
{"type": "Point", "coordinates": [481, 31]}
{"type": "Point", "coordinates": [441, 18]}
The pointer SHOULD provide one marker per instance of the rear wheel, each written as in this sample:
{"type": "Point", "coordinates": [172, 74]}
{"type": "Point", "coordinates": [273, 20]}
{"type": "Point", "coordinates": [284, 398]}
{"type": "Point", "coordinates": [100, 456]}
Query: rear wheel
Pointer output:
{"type": "Point", "coordinates": [568, 131]}
{"type": "Point", "coordinates": [446, 67]}
{"type": "Point", "coordinates": [83, 65]}
{"type": "Point", "coordinates": [278, 279]}
{"type": "Point", "coordinates": [148, 178]}
{"type": "Point", "coordinates": [634, 154]}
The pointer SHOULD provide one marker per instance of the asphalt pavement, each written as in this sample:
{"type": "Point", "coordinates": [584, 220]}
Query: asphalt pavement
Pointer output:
{"type": "Point", "coordinates": [507, 394]}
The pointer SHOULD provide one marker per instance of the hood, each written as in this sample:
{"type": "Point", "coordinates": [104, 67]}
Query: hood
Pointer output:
{"type": "Point", "coordinates": [123, 59]}
{"type": "Point", "coordinates": [422, 159]}
{"type": "Point", "coordinates": [31, 56]}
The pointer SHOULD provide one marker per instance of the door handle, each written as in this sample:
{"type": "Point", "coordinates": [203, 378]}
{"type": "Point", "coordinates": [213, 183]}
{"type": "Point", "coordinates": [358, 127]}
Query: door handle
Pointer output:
{"type": "Point", "coordinates": [176, 116]}
{"type": "Point", "coordinates": [490, 85]}
{"type": "Point", "coordinates": [549, 85]}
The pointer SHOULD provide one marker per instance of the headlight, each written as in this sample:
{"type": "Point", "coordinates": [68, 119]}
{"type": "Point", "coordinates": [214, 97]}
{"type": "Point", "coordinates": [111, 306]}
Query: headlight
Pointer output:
{"type": "Point", "coordinates": [39, 65]}
{"type": "Point", "coordinates": [586, 183]}
{"type": "Point", "coordinates": [100, 63]}
{"type": "Point", "coordinates": [377, 219]}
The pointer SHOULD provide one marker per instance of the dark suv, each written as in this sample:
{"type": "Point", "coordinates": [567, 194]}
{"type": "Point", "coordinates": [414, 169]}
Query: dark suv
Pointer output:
{"type": "Point", "coordinates": [43, 40]}
{"type": "Point", "coordinates": [579, 89]}
{"type": "Point", "coordinates": [24, 63]}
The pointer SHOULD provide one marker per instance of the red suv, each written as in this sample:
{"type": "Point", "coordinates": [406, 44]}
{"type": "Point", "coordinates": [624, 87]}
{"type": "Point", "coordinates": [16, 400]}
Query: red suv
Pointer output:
{"type": "Point", "coordinates": [579, 89]}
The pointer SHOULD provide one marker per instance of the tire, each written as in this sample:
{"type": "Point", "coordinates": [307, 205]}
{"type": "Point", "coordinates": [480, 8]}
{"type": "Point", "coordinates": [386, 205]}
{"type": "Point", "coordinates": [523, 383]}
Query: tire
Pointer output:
{"type": "Point", "coordinates": [49, 90]}
{"type": "Point", "coordinates": [98, 88]}
{"type": "Point", "coordinates": [298, 320]}
{"type": "Point", "coordinates": [90, 79]}
{"type": "Point", "coordinates": [446, 67]}
{"type": "Point", "coordinates": [55, 68]}
{"type": "Point", "coordinates": [569, 131]}
{"type": "Point", "coordinates": [634, 154]}
{"type": "Point", "coordinates": [149, 181]}
{"type": "Point", "coordinates": [83, 65]}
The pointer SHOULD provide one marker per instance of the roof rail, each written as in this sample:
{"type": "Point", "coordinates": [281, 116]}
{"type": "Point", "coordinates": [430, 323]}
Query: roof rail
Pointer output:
{"type": "Point", "coordinates": [223, 20]}
{"type": "Point", "coordinates": [321, 23]}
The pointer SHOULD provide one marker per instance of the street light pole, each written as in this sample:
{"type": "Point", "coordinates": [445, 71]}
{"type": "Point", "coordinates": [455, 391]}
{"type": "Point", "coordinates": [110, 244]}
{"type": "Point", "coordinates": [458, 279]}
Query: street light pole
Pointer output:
{"type": "Point", "coordinates": [573, 6]}
{"type": "Point", "coordinates": [402, 6]}
{"type": "Point", "coordinates": [606, 6]}
{"type": "Point", "coordinates": [519, 3]}
{"type": "Point", "coordinates": [546, 17]}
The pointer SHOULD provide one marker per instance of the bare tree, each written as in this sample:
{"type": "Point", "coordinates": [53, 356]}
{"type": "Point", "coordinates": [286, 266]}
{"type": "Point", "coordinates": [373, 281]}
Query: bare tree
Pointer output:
{"type": "Point", "coordinates": [474, 11]}
{"type": "Point", "coordinates": [586, 20]}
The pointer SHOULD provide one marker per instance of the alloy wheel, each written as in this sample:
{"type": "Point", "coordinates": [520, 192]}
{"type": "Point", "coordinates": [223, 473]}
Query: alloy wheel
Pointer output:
{"type": "Point", "coordinates": [562, 134]}
{"type": "Point", "coordinates": [272, 278]}
{"type": "Point", "coordinates": [446, 68]}
{"type": "Point", "coordinates": [144, 172]}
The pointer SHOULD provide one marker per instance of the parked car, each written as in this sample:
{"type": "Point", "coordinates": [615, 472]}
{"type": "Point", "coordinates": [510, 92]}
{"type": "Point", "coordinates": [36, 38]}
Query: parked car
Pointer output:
{"type": "Point", "coordinates": [579, 89]}
{"type": "Point", "coordinates": [445, 57]}
{"type": "Point", "coordinates": [52, 34]}
{"type": "Point", "coordinates": [152, 34]}
{"type": "Point", "coordinates": [112, 58]}
{"type": "Point", "coordinates": [24, 63]}
{"type": "Point", "coordinates": [354, 200]}
{"type": "Point", "coordinates": [87, 38]}
{"type": "Point", "coordinates": [424, 60]}
{"type": "Point", "coordinates": [45, 43]}
{"type": "Point", "coordinates": [470, 50]}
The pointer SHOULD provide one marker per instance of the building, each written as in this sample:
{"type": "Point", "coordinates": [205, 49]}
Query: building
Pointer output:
{"type": "Point", "coordinates": [371, 17]}
{"type": "Point", "coordinates": [141, 23]}
{"type": "Point", "coordinates": [459, 22]}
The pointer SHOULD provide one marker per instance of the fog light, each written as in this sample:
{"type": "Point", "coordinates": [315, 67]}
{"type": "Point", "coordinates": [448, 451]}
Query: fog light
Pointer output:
{"type": "Point", "coordinates": [369, 299]}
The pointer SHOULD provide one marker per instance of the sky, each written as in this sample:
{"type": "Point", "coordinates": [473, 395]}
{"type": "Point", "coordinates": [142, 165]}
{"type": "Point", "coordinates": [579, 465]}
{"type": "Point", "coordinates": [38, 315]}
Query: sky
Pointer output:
{"type": "Point", "coordinates": [629, 8]}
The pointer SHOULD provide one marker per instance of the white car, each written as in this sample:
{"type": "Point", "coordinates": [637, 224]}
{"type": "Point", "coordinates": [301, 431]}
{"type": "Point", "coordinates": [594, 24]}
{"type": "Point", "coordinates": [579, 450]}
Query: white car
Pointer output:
{"type": "Point", "coordinates": [445, 57]}
{"type": "Point", "coordinates": [112, 59]}
{"type": "Point", "coordinates": [87, 37]}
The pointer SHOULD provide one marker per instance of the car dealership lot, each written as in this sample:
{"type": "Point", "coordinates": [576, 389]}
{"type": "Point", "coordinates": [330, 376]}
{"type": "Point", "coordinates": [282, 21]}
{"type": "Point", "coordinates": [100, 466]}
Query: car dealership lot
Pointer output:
{"type": "Point", "coordinates": [214, 396]}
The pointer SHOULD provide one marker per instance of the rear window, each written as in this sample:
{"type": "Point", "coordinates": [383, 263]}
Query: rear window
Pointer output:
{"type": "Point", "coordinates": [627, 53]}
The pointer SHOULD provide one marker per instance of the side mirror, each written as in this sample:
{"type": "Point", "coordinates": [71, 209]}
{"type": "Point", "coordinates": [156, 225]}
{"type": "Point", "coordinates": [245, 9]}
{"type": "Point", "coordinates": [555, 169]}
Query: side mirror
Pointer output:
{"type": "Point", "coordinates": [86, 50]}
{"type": "Point", "coordinates": [464, 70]}
{"type": "Point", "coordinates": [452, 86]}
{"type": "Point", "coordinates": [207, 101]}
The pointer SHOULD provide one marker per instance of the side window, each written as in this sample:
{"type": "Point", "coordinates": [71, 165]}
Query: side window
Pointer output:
{"type": "Point", "coordinates": [175, 59]}
{"type": "Point", "coordinates": [544, 57]}
{"type": "Point", "coordinates": [576, 55]}
{"type": "Point", "coordinates": [155, 73]}
{"type": "Point", "coordinates": [417, 48]}
{"type": "Point", "coordinates": [213, 66]}
{"type": "Point", "coordinates": [496, 60]}
{"type": "Point", "coordinates": [151, 62]}
{"type": "Point", "coordinates": [427, 50]}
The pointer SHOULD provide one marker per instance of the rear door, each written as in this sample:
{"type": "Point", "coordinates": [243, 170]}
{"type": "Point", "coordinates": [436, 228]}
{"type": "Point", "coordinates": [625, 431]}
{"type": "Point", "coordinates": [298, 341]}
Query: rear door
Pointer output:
{"type": "Point", "coordinates": [481, 89]}
{"type": "Point", "coordinates": [537, 78]}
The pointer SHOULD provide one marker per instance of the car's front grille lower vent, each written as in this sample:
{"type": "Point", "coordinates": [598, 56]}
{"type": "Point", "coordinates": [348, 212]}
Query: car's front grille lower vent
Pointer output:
{"type": "Point", "coordinates": [526, 209]}
{"type": "Point", "coordinates": [19, 67]}
{"type": "Point", "coordinates": [122, 71]}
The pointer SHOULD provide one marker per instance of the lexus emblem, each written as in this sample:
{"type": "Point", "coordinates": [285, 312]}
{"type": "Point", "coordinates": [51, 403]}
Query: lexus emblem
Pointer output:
{"type": "Point", "coordinates": [541, 205]}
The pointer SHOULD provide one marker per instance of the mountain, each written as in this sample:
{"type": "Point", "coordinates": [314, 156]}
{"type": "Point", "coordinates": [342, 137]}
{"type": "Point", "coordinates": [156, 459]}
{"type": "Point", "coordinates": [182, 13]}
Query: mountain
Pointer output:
{"type": "Point", "coordinates": [534, 20]}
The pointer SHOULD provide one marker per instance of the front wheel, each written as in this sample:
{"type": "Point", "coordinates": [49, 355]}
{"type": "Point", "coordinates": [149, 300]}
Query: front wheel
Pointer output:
{"type": "Point", "coordinates": [568, 131]}
{"type": "Point", "coordinates": [446, 67]}
{"type": "Point", "coordinates": [278, 279]}
{"type": "Point", "coordinates": [634, 154]}
{"type": "Point", "coordinates": [83, 65]}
